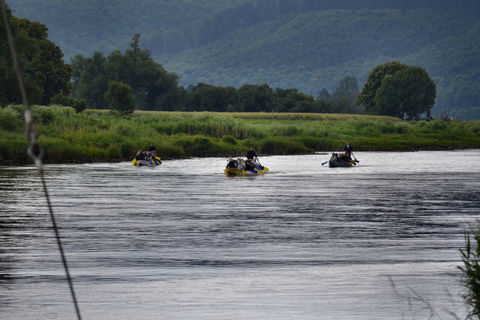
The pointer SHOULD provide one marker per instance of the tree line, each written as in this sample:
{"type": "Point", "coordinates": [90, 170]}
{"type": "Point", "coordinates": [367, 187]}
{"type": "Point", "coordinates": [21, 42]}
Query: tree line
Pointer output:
{"type": "Point", "coordinates": [391, 89]}
{"type": "Point", "coordinates": [154, 88]}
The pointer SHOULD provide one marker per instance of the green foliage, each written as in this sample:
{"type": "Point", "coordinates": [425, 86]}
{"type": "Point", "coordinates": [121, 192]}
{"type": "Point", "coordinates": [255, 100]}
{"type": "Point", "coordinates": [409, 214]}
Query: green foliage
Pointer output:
{"type": "Point", "coordinates": [90, 79]}
{"type": "Point", "coordinates": [253, 98]}
{"type": "Point", "coordinates": [169, 151]}
{"type": "Point", "coordinates": [229, 139]}
{"type": "Point", "coordinates": [13, 148]}
{"type": "Point", "coordinates": [44, 72]}
{"type": "Point", "coordinates": [55, 150]}
{"type": "Point", "coordinates": [315, 143]}
{"type": "Point", "coordinates": [282, 146]}
{"type": "Point", "coordinates": [262, 98]}
{"type": "Point", "coordinates": [10, 118]}
{"type": "Point", "coordinates": [198, 146]}
{"type": "Point", "coordinates": [97, 135]}
{"type": "Point", "coordinates": [207, 97]}
{"type": "Point", "coordinates": [114, 152]}
{"type": "Point", "coordinates": [290, 100]}
{"type": "Point", "coordinates": [471, 274]}
{"type": "Point", "coordinates": [152, 85]}
{"type": "Point", "coordinates": [374, 82]}
{"type": "Point", "coordinates": [437, 125]}
{"type": "Point", "coordinates": [398, 90]}
{"type": "Point", "coordinates": [47, 114]}
{"type": "Point", "coordinates": [206, 124]}
{"type": "Point", "coordinates": [78, 104]}
{"type": "Point", "coordinates": [120, 98]}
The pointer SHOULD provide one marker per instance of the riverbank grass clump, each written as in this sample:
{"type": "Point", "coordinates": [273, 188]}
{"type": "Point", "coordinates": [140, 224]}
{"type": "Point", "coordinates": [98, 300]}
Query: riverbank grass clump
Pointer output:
{"type": "Point", "coordinates": [97, 135]}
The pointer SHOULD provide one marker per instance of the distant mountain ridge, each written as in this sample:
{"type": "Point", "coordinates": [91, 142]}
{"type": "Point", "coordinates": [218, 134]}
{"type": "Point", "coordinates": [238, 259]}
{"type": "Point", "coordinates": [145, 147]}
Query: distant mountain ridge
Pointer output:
{"type": "Point", "coordinates": [308, 44]}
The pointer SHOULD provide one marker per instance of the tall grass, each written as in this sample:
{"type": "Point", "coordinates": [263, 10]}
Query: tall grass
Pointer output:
{"type": "Point", "coordinates": [96, 135]}
{"type": "Point", "coordinates": [470, 273]}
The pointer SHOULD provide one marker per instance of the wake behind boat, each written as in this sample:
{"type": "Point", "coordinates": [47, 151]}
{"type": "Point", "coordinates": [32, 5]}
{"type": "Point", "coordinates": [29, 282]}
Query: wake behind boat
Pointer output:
{"type": "Point", "coordinates": [241, 167]}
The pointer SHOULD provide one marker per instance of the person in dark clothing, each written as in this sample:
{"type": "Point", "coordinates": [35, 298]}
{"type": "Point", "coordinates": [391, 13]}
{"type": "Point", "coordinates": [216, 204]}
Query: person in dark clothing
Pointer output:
{"type": "Point", "coordinates": [151, 149]}
{"type": "Point", "coordinates": [251, 154]}
{"type": "Point", "coordinates": [232, 163]}
{"type": "Point", "coordinates": [252, 160]}
{"type": "Point", "coordinates": [348, 150]}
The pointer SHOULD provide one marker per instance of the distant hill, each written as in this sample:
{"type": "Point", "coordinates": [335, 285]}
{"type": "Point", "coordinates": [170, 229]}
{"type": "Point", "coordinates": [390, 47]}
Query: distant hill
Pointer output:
{"type": "Point", "coordinates": [308, 44]}
{"type": "Point", "coordinates": [104, 25]}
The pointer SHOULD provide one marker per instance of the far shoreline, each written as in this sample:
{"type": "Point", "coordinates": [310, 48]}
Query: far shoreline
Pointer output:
{"type": "Point", "coordinates": [97, 136]}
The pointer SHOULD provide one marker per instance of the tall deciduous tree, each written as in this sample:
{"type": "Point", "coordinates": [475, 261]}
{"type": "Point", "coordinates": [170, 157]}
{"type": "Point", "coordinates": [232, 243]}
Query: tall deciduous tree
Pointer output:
{"type": "Point", "coordinates": [120, 98]}
{"type": "Point", "coordinates": [254, 98]}
{"type": "Point", "coordinates": [292, 100]}
{"type": "Point", "coordinates": [345, 95]}
{"type": "Point", "coordinates": [207, 97]}
{"type": "Point", "coordinates": [398, 90]}
{"type": "Point", "coordinates": [90, 80]}
{"type": "Point", "coordinates": [152, 85]}
{"type": "Point", "coordinates": [374, 81]}
{"type": "Point", "coordinates": [43, 70]}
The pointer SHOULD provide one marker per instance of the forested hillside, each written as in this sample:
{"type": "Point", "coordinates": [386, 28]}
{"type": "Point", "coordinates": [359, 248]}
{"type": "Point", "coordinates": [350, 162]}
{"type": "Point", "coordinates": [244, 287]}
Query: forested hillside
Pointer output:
{"type": "Point", "coordinates": [314, 50]}
{"type": "Point", "coordinates": [309, 44]}
{"type": "Point", "coordinates": [82, 27]}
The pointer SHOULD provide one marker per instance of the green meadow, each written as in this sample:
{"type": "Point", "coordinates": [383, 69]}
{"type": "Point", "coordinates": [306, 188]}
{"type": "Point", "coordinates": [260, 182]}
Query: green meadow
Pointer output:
{"type": "Point", "coordinates": [97, 135]}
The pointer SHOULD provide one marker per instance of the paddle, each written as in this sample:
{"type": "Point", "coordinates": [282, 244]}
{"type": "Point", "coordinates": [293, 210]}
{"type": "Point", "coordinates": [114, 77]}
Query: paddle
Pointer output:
{"type": "Point", "coordinates": [354, 157]}
{"type": "Point", "coordinates": [258, 161]}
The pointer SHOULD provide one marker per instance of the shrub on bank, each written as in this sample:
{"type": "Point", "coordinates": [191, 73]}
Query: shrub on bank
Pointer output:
{"type": "Point", "coordinates": [315, 143]}
{"type": "Point", "coordinates": [202, 147]}
{"type": "Point", "coordinates": [78, 104]}
{"type": "Point", "coordinates": [283, 146]}
{"type": "Point", "coordinates": [169, 151]}
{"type": "Point", "coordinates": [229, 139]}
{"type": "Point", "coordinates": [13, 149]}
{"type": "Point", "coordinates": [57, 151]}
{"type": "Point", "coordinates": [10, 118]}
{"type": "Point", "coordinates": [43, 115]}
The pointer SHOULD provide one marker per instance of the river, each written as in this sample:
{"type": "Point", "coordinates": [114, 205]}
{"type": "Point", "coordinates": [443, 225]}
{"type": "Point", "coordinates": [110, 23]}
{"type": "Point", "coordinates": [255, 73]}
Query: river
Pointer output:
{"type": "Point", "coordinates": [183, 241]}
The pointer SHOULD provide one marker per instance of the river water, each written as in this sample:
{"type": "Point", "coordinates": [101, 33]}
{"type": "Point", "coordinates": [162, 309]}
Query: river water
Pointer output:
{"type": "Point", "coordinates": [183, 241]}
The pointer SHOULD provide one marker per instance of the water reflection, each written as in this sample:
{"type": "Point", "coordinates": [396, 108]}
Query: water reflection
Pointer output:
{"type": "Point", "coordinates": [8, 225]}
{"type": "Point", "coordinates": [21, 222]}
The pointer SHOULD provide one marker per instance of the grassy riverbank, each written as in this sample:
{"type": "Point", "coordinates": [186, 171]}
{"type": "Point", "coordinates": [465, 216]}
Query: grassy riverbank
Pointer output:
{"type": "Point", "coordinates": [96, 135]}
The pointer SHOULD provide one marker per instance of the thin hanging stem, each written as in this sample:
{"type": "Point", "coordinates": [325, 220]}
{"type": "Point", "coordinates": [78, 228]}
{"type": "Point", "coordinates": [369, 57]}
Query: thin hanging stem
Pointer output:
{"type": "Point", "coordinates": [35, 152]}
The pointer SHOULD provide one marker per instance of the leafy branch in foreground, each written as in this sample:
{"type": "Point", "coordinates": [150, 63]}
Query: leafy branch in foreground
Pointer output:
{"type": "Point", "coordinates": [471, 274]}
